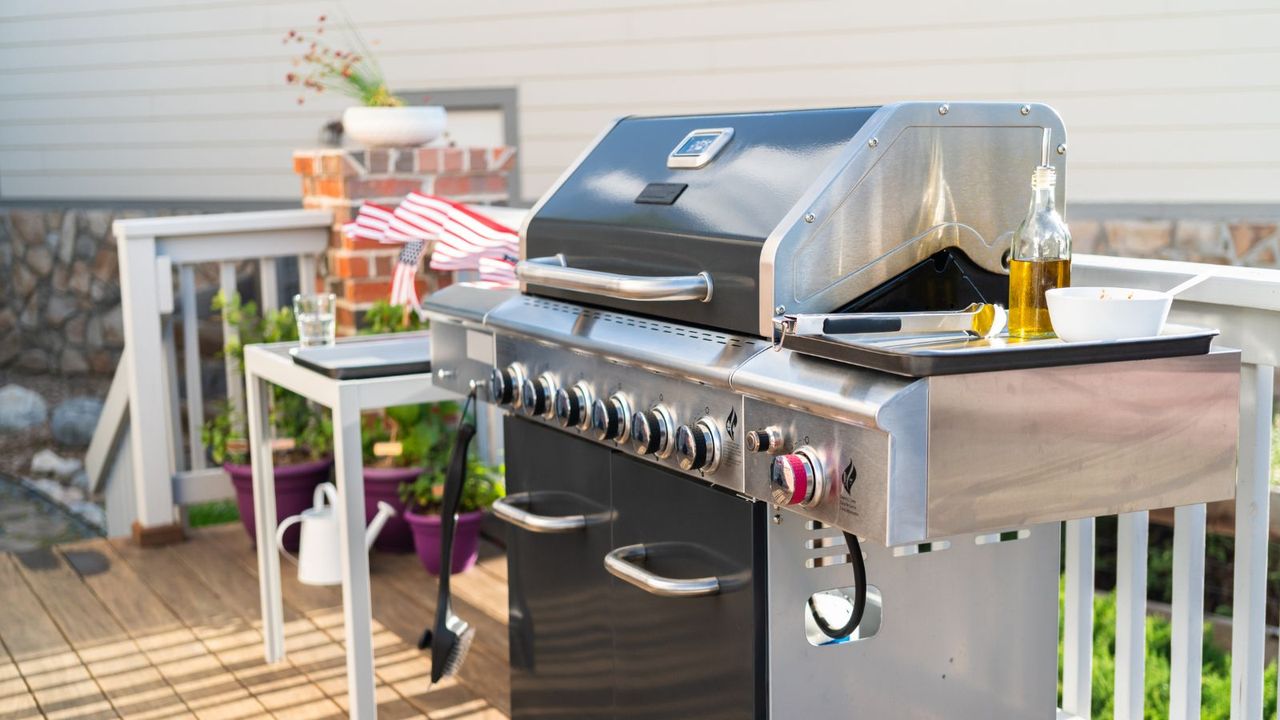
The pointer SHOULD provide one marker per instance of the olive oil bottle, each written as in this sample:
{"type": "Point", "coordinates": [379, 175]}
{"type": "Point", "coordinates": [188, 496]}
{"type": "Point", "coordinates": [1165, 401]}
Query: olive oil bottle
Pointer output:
{"type": "Point", "coordinates": [1039, 260]}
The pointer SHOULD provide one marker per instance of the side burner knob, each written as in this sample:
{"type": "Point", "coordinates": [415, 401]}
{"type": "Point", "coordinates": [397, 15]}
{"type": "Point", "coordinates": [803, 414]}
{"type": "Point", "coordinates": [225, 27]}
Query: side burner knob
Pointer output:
{"type": "Point", "coordinates": [698, 446]}
{"type": "Point", "coordinates": [651, 431]}
{"type": "Point", "coordinates": [571, 405]}
{"type": "Point", "coordinates": [534, 395]}
{"type": "Point", "coordinates": [766, 440]}
{"type": "Point", "coordinates": [796, 478]}
{"type": "Point", "coordinates": [609, 417]}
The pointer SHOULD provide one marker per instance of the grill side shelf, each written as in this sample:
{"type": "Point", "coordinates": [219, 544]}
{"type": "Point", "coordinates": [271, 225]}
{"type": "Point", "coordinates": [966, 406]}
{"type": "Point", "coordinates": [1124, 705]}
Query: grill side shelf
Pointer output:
{"type": "Point", "coordinates": [952, 357]}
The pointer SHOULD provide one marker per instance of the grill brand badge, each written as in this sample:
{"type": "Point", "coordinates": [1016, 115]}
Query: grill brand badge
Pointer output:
{"type": "Point", "coordinates": [847, 478]}
{"type": "Point", "coordinates": [731, 423]}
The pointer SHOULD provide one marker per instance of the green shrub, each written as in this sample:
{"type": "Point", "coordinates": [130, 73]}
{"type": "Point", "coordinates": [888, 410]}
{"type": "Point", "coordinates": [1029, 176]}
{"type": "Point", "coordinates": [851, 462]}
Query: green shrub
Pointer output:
{"type": "Point", "coordinates": [216, 512]}
{"type": "Point", "coordinates": [1215, 699]}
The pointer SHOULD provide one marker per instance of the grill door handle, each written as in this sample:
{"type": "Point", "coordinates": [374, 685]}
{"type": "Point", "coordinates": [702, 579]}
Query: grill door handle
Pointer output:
{"type": "Point", "coordinates": [508, 508]}
{"type": "Point", "coordinates": [554, 272]}
{"type": "Point", "coordinates": [621, 564]}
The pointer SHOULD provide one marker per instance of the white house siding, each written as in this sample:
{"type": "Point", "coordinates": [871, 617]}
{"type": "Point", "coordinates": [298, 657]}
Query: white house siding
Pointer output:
{"type": "Point", "coordinates": [1164, 100]}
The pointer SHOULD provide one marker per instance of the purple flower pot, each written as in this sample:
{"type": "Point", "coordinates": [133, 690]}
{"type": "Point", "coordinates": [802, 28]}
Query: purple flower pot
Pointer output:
{"type": "Point", "coordinates": [466, 540]}
{"type": "Point", "coordinates": [383, 484]}
{"type": "Point", "coordinates": [294, 487]}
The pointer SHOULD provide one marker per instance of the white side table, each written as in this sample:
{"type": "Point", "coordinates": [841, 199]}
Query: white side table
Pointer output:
{"type": "Point", "coordinates": [272, 364]}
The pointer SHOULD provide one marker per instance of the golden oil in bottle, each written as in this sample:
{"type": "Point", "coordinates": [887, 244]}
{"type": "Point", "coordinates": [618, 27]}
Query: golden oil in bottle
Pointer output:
{"type": "Point", "coordinates": [1028, 282]}
{"type": "Point", "coordinates": [1039, 260]}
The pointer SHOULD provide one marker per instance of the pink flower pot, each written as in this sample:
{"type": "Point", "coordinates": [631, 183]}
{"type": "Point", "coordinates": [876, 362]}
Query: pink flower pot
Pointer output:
{"type": "Point", "coordinates": [427, 537]}
{"type": "Point", "coordinates": [383, 484]}
{"type": "Point", "coordinates": [294, 487]}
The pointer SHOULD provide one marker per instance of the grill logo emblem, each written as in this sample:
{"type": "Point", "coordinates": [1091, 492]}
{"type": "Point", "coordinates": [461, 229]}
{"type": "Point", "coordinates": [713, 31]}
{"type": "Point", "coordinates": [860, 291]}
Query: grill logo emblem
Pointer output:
{"type": "Point", "coordinates": [731, 423]}
{"type": "Point", "coordinates": [848, 477]}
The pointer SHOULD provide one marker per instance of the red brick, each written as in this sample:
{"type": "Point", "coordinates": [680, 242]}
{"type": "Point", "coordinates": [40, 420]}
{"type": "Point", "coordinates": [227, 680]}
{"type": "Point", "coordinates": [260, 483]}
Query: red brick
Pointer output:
{"type": "Point", "coordinates": [348, 264]}
{"type": "Point", "coordinates": [327, 186]}
{"type": "Point", "coordinates": [349, 243]}
{"type": "Point", "coordinates": [384, 265]}
{"type": "Point", "coordinates": [304, 163]}
{"type": "Point", "coordinates": [452, 185]}
{"type": "Point", "coordinates": [366, 290]}
{"type": "Point", "coordinates": [492, 183]}
{"type": "Point", "coordinates": [381, 187]}
{"type": "Point", "coordinates": [477, 160]}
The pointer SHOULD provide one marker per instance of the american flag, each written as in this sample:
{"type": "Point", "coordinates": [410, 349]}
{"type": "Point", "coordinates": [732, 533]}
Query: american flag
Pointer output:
{"type": "Point", "coordinates": [463, 240]}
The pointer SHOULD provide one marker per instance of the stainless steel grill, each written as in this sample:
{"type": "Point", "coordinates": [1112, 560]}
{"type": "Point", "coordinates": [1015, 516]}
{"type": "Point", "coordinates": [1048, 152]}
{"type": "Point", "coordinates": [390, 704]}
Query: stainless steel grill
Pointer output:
{"type": "Point", "coordinates": [716, 465]}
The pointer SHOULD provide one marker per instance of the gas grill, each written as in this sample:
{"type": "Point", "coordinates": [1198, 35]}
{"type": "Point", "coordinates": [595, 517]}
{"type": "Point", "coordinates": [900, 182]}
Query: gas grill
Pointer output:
{"type": "Point", "coordinates": [680, 481]}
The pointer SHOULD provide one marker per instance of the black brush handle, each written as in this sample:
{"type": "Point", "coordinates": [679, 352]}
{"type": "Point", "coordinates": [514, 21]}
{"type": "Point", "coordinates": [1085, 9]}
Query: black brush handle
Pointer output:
{"type": "Point", "coordinates": [846, 325]}
{"type": "Point", "coordinates": [442, 639]}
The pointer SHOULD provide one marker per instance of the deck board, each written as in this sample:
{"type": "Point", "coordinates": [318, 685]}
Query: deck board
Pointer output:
{"type": "Point", "coordinates": [104, 629]}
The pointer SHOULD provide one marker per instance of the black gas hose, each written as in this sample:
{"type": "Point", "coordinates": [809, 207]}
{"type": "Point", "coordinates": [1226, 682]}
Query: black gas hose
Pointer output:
{"type": "Point", "coordinates": [859, 594]}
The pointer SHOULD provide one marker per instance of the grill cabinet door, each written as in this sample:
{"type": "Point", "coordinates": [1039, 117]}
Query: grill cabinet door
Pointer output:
{"type": "Point", "coordinates": [560, 636]}
{"type": "Point", "coordinates": [687, 657]}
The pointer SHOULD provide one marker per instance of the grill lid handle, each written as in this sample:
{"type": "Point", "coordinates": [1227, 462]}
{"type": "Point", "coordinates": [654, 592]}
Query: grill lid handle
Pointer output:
{"type": "Point", "coordinates": [554, 272]}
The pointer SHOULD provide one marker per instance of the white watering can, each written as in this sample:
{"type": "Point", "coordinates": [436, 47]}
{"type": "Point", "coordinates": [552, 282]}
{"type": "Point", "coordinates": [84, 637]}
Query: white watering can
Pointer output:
{"type": "Point", "coordinates": [318, 551]}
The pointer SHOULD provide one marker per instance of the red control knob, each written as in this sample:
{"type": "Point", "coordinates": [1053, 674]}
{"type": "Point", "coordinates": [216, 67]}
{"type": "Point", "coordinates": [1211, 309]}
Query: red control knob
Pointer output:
{"type": "Point", "coordinates": [794, 478]}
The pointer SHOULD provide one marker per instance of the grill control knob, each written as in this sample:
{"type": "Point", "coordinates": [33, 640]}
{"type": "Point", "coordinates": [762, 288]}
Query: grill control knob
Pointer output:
{"type": "Point", "coordinates": [767, 440]}
{"type": "Point", "coordinates": [609, 417]}
{"type": "Point", "coordinates": [572, 405]}
{"type": "Point", "coordinates": [698, 446]}
{"type": "Point", "coordinates": [504, 384]}
{"type": "Point", "coordinates": [796, 478]}
{"type": "Point", "coordinates": [651, 431]}
{"type": "Point", "coordinates": [534, 394]}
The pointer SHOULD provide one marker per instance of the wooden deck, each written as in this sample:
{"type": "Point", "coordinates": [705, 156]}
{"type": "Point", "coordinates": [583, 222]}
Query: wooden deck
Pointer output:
{"type": "Point", "coordinates": [103, 629]}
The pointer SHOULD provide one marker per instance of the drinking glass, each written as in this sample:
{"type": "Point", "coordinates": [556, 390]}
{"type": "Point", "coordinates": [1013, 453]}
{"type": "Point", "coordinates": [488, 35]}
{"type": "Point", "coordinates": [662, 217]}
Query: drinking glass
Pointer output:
{"type": "Point", "coordinates": [314, 314]}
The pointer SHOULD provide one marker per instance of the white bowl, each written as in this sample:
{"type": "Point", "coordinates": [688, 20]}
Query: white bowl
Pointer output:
{"type": "Point", "coordinates": [393, 126]}
{"type": "Point", "coordinates": [1080, 314]}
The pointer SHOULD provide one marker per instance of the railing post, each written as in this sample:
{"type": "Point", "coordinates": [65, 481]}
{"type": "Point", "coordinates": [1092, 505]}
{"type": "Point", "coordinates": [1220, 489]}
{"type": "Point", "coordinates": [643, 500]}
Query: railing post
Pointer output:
{"type": "Point", "coordinates": [1186, 660]}
{"type": "Point", "coordinates": [1249, 612]}
{"type": "Point", "coordinates": [1077, 622]}
{"type": "Point", "coordinates": [1131, 614]}
{"type": "Point", "coordinates": [149, 439]}
{"type": "Point", "coordinates": [230, 333]}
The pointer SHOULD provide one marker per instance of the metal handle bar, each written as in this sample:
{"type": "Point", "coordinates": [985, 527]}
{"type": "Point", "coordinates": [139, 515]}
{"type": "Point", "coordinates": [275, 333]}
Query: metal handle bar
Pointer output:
{"type": "Point", "coordinates": [620, 563]}
{"type": "Point", "coordinates": [508, 508]}
{"type": "Point", "coordinates": [553, 272]}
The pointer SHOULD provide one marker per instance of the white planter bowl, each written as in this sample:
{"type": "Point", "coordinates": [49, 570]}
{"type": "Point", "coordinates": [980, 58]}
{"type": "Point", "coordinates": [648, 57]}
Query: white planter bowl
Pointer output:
{"type": "Point", "coordinates": [393, 126]}
{"type": "Point", "coordinates": [1081, 314]}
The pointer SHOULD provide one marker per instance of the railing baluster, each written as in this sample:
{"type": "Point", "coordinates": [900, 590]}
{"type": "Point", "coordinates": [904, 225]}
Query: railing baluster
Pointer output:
{"type": "Point", "coordinates": [306, 273]}
{"type": "Point", "coordinates": [1131, 614]}
{"type": "Point", "coordinates": [235, 388]}
{"type": "Point", "coordinates": [270, 294]}
{"type": "Point", "coordinates": [1249, 612]}
{"type": "Point", "coordinates": [1186, 663]}
{"type": "Point", "coordinates": [191, 363]}
{"type": "Point", "coordinates": [1077, 642]}
{"type": "Point", "coordinates": [171, 389]}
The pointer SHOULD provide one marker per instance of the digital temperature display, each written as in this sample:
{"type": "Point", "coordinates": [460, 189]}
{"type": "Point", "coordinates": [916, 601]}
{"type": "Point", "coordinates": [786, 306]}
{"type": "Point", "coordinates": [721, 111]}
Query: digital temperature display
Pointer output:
{"type": "Point", "coordinates": [699, 147]}
{"type": "Point", "coordinates": [696, 145]}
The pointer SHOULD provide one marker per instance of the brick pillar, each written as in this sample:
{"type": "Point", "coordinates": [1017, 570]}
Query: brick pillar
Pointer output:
{"type": "Point", "coordinates": [359, 271]}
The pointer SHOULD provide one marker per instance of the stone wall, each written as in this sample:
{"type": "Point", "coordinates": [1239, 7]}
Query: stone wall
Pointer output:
{"type": "Point", "coordinates": [60, 304]}
{"type": "Point", "coordinates": [1223, 242]}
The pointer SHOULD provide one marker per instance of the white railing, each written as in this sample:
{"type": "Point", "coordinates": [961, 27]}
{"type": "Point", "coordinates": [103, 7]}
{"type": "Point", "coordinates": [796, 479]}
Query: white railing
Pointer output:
{"type": "Point", "coordinates": [167, 470]}
{"type": "Point", "coordinates": [1244, 303]}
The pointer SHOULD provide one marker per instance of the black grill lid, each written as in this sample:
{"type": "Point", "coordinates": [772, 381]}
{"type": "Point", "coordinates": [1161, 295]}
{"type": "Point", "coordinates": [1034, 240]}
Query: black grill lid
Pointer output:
{"type": "Point", "coordinates": [716, 223]}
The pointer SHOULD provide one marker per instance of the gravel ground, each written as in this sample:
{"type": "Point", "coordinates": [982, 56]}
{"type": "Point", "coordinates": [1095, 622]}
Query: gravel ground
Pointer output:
{"type": "Point", "coordinates": [28, 522]}
{"type": "Point", "coordinates": [16, 448]}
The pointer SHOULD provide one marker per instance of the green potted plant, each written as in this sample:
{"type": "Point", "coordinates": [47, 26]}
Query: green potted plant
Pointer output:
{"type": "Point", "coordinates": [400, 444]}
{"type": "Point", "coordinates": [484, 484]}
{"type": "Point", "coordinates": [303, 433]}
{"type": "Point", "coordinates": [381, 118]}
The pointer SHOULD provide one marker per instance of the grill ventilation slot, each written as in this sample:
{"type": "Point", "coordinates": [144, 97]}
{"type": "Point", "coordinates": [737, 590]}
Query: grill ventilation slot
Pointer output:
{"type": "Point", "coordinates": [640, 324]}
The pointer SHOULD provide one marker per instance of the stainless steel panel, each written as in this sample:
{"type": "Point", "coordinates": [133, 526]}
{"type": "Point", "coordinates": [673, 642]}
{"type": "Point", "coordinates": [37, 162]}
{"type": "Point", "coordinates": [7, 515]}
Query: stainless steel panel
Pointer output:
{"type": "Point", "coordinates": [1026, 446]}
{"type": "Point", "coordinates": [679, 350]}
{"type": "Point", "coordinates": [863, 507]}
{"type": "Point", "coordinates": [913, 180]}
{"type": "Point", "coordinates": [455, 362]}
{"type": "Point", "coordinates": [822, 387]}
{"type": "Point", "coordinates": [967, 632]}
{"type": "Point", "coordinates": [643, 388]}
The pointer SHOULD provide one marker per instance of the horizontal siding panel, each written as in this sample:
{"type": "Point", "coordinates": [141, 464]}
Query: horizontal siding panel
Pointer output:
{"type": "Point", "coordinates": [758, 36]}
{"type": "Point", "coordinates": [190, 159]}
{"type": "Point", "coordinates": [1172, 183]}
{"type": "Point", "coordinates": [147, 186]}
{"type": "Point", "coordinates": [291, 129]}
